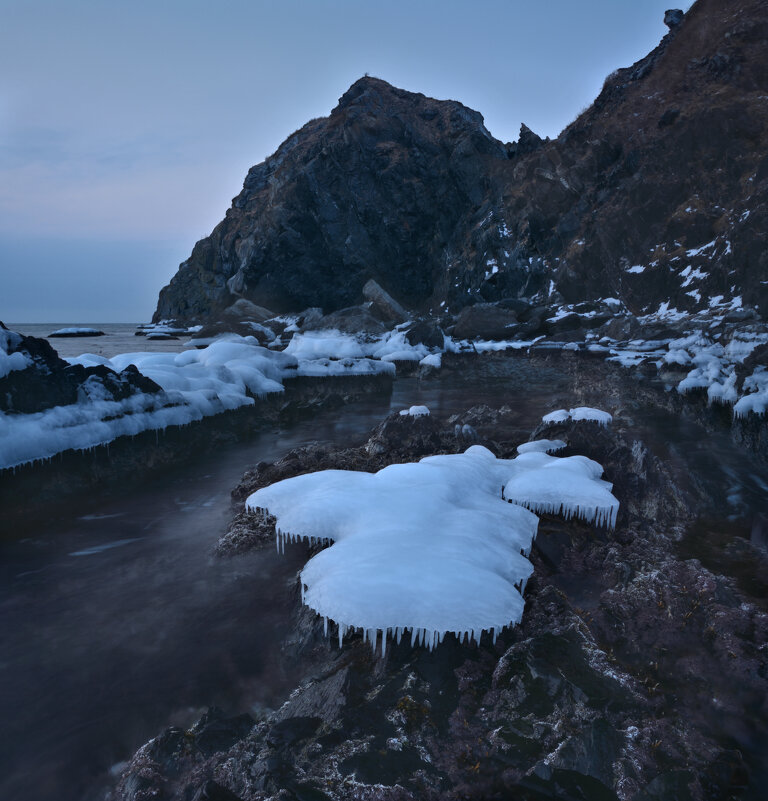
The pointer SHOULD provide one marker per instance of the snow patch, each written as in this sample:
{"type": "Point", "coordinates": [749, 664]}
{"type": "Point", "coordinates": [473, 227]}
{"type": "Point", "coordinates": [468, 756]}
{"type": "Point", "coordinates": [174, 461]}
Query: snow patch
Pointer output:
{"type": "Point", "coordinates": [415, 411]}
{"type": "Point", "coordinates": [586, 414]}
{"type": "Point", "coordinates": [429, 547]}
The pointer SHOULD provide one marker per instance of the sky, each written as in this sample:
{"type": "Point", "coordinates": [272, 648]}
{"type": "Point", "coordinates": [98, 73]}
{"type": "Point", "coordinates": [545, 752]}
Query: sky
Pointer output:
{"type": "Point", "coordinates": [126, 128]}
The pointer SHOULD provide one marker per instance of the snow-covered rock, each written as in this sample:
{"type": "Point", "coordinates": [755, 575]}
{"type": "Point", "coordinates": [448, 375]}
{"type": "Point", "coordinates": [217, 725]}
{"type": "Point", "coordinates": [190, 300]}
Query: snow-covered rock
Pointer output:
{"type": "Point", "coordinates": [431, 546]}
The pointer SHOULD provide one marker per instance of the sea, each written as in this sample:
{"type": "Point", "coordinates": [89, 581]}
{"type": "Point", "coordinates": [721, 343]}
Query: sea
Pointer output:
{"type": "Point", "coordinates": [118, 338]}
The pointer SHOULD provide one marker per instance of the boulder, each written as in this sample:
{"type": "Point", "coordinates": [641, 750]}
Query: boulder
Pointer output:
{"type": "Point", "coordinates": [243, 309]}
{"type": "Point", "coordinates": [49, 381]}
{"type": "Point", "coordinates": [384, 302]}
{"type": "Point", "coordinates": [309, 319]}
{"type": "Point", "coordinates": [485, 321]}
{"type": "Point", "coordinates": [621, 328]}
{"type": "Point", "coordinates": [243, 328]}
{"type": "Point", "coordinates": [566, 322]}
{"type": "Point", "coordinates": [352, 320]}
{"type": "Point", "coordinates": [426, 332]}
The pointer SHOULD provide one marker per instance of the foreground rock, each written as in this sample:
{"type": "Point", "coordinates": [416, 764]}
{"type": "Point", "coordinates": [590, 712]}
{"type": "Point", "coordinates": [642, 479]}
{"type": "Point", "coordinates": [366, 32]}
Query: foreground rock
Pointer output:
{"type": "Point", "coordinates": [637, 673]}
{"type": "Point", "coordinates": [47, 380]}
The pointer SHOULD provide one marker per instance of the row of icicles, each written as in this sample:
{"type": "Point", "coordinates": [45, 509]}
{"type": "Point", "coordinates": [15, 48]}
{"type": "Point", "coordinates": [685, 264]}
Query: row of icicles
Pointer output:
{"type": "Point", "coordinates": [427, 637]}
{"type": "Point", "coordinates": [431, 638]}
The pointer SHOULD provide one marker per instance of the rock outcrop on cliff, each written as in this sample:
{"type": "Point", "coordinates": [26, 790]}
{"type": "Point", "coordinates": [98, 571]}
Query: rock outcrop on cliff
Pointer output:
{"type": "Point", "coordinates": [655, 194]}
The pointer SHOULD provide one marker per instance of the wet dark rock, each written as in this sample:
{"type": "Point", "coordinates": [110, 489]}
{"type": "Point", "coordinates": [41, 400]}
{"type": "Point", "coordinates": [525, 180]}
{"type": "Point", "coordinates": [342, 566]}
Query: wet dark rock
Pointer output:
{"type": "Point", "coordinates": [519, 306]}
{"type": "Point", "coordinates": [427, 332]}
{"type": "Point", "coordinates": [309, 319]}
{"type": "Point", "coordinates": [485, 321]}
{"type": "Point", "coordinates": [291, 730]}
{"type": "Point", "coordinates": [50, 381]}
{"type": "Point", "coordinates": [244, 328]}
{"type": "Point", "coordinates": [352, 320]}
{"type": "Point", "coordinates": [215, 732]}
{"type": "Point", "coordinates": [599, 693]}
{"type": "Point", "coordinates": [563, 323]}
{"type": "Point", "coordinates": [621, 328]}
{"type": "Point", "coordinates": [212, 791]}
{"type": "Point", "coordinates": [243, 309]}
{"type": "Point", "coordinates": [383, 302]}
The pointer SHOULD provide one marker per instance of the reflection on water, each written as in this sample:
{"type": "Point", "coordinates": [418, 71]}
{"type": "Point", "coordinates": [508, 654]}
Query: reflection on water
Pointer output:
{"type": "Point", "coordinates": [117, 620]}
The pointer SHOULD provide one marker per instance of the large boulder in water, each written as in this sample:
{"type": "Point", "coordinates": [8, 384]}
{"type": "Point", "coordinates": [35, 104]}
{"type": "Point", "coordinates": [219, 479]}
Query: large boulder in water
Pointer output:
{"type": "Point", "coordinates": [46, 380]}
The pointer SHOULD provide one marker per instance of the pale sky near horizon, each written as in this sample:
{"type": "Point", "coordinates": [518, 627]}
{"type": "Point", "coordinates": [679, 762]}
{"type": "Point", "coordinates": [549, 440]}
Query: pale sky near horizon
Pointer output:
{"type": "Point", "coordinates": [127, 128]}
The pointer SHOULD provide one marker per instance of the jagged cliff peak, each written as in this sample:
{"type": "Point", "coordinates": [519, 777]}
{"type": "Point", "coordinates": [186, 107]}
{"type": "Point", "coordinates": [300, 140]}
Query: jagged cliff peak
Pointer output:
{"type": "Point", "coordinates": [382, 188]}
{"type": "Point", "coordinates": [665, 173]}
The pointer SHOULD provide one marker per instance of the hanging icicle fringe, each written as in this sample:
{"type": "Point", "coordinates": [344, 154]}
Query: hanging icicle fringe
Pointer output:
{"type": "Point", "coordinates": [433, 547]}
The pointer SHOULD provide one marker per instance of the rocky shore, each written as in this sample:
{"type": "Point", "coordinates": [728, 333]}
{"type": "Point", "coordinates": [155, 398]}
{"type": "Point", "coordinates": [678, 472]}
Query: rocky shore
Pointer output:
{"type": "Point", "coordinates": [639, 670]}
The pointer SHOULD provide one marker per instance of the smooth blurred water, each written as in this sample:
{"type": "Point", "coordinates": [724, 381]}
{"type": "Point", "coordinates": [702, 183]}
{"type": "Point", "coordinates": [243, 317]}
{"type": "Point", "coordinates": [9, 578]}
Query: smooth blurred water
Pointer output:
{"type": "Point", "coordinates": [116, 620]}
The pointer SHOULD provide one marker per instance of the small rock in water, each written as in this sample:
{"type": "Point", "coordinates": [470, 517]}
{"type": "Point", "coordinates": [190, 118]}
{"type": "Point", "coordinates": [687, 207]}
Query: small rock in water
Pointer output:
{"type": "Point", "coordinates": [77, 332]}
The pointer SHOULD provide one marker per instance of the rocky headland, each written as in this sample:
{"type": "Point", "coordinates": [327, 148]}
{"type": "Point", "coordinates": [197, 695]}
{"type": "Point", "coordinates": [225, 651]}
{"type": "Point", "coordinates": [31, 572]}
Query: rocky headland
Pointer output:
{"type": "Point", "coordinates": [655, 194]}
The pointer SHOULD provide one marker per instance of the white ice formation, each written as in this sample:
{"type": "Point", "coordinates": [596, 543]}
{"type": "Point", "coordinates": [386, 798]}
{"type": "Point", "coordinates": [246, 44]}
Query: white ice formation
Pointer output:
{"type": "Point", "coordinates": [11, 361]}
{"type": "Point", "coordinates": [73, 332]}
{"type": "Point", "coordinates": [585, 414]}
{"type": "Point", "coordinates": [228, 374]}
{"type": "Point", "coordinates": [429, 547]}
{"type": "Point", "coordinates": [710, 364]}
{"type": "Point", "coordinates": [542, 446]}
{"type": "Point", "coordinates": [415, 411]}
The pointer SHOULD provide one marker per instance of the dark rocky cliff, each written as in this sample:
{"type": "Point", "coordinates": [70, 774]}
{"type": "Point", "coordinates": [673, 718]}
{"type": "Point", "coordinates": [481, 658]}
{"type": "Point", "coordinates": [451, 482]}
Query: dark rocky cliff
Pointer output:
{"type": "Point", "coordinates": [384, 188]}
{"type": "Point", "coordinates": [666, 172]}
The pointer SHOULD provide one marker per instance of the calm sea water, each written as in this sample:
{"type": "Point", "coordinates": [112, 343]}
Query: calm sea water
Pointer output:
{"type": "Point", "coordinates": [115, 620]}
{"type": "Point", "coordinates": [118, 338]}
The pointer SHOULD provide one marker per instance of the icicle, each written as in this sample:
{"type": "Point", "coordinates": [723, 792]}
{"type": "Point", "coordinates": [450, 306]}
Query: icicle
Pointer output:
{"type": "Point", "coordinates": [413, 636]}
{"type": "Point", "coordinates": [398, 634]}
{"type": "Point", "coordinates": [522, 585]}
{"type": "Point", "coordinates": [384, 643]}
{"type": "Point", "coordinates": [495, 634]}
{"type": "Point", "coordinates": [325, 626]}
{"type": "Point", "coordinates": [373, 640]}
{"type": "Point", "coordinates": [341, 634]}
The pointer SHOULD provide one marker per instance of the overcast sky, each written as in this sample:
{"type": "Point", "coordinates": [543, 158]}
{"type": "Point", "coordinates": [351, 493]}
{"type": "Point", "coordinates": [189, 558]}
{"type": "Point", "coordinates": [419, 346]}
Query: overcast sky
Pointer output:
{"type": "Point", "coordinates": [126, 128]}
